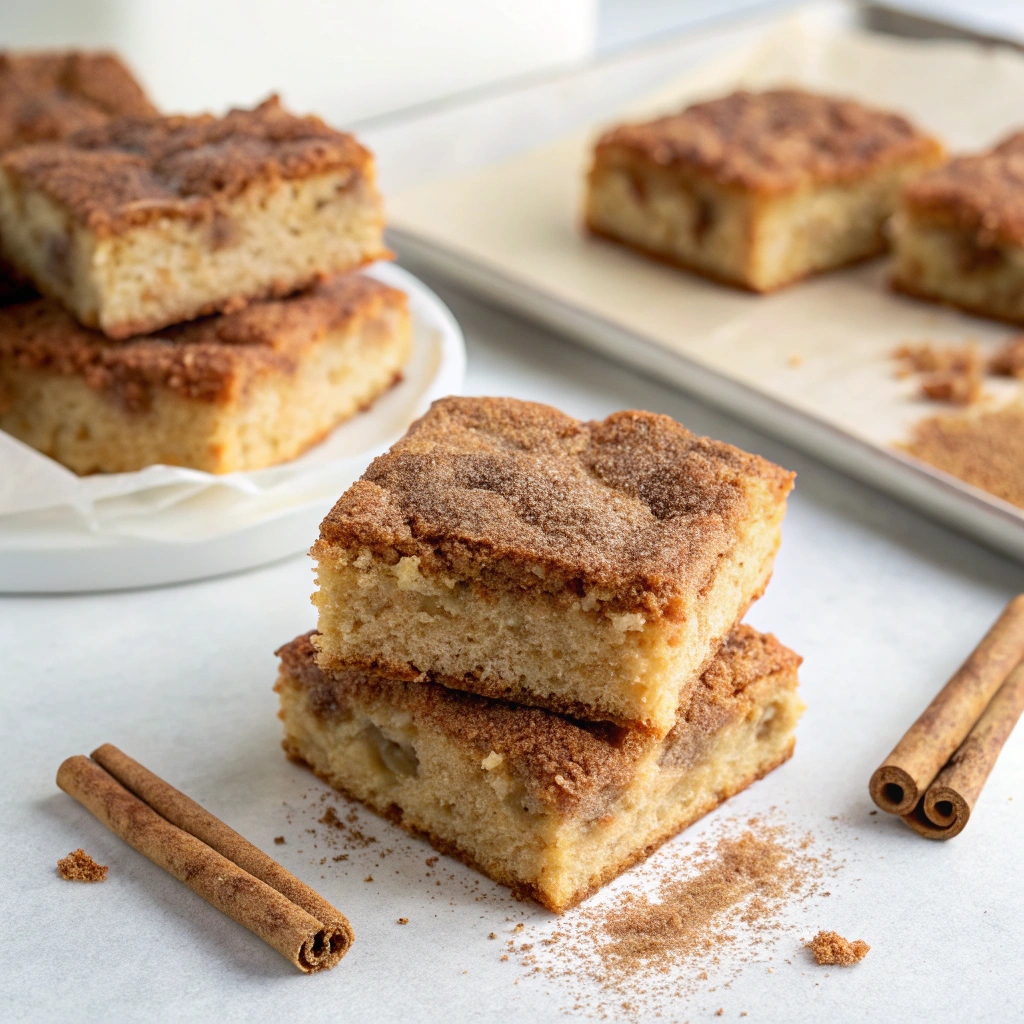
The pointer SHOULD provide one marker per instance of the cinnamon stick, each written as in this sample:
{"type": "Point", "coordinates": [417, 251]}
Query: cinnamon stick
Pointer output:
{"type": "Point", "coordinates": [946, 806]}
{"type": "Point", "coordinates": [269, 907]}
{"type": "Point", "coordinates": [899, 782]}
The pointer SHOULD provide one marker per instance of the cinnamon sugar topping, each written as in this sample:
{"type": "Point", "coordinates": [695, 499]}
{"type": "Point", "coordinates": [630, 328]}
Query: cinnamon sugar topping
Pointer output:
{"type": "Point", "coordinates": [520, 495]}
{"type": "Point", "coordinates": [775, 141]}
{"type": "Point", "coordinates": [208, 360]}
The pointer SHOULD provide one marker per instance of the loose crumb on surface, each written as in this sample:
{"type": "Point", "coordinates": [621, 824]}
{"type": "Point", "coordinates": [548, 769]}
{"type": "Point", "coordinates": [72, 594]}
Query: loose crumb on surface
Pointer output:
{"type": "Point", "coordinates": [78, 866]}
{"type": "Point", "coordinates": [831, 949]}
{"type": "Point", "coordinates": [279, 840]}
{"type": "Point", "coordinates": [368, 878]}
{"type": "Point", "coordinates": [952, 373]}
{"type": "Point", "coordinates": [403, 920]}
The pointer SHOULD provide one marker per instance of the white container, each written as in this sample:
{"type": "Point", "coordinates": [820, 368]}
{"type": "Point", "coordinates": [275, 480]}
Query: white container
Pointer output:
{"type": "Point", "coordinates": [345, 61]}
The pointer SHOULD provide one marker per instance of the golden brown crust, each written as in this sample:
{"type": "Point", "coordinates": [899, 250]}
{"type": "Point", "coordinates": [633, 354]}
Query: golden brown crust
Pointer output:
{"type": "Point", "coordinates": [981, 194]}
{"type": "Point", "coordinates": [524, 891]}
{"type": "Point", "coordinates": [773, 142]}
{"type": "Point", "coordinates": [209, 360]}
{"type": "Point", "coordinates": [517, 494]}
{"type": "Point", "coordinates": [568, 764]}
{"type": "Point", "coordinates": [136, 170]}
{"type": "Point", "coordinates": [46, 96]}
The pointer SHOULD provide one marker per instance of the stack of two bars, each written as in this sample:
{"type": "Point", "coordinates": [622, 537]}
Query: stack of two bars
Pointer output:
{"type": "Point", "coordinates": [197, 310]}
{"type": "Point", "coordinates": [529, 647]}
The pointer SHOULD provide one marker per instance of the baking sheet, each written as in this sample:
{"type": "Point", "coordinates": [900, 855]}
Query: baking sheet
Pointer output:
{"type": "Point", "coordinates": [812, 363]}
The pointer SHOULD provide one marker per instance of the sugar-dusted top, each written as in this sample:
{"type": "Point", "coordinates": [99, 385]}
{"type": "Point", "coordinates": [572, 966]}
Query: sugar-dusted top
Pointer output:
{"type": "Point", "coordinates": [634, 508]}
{"type": "Point", "coordinates": [775, 141]}
{"type": "Point", "coordinates": [46, 96]}
{"type": "Point", "coordinates": [982, 194]}
{"type": "Point", "coordinates": [137, 169]}
{"type": "Point", "coordinates": [208, 359]}
{"type": "Point", "coordinates": [569, 765]}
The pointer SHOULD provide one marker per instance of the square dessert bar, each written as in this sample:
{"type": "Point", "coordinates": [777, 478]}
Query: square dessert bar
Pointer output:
{"type": "Point", "coordinates": [148, 221]}
{"type": "Point", "coordinates": [959, 233]}
{"type": "Point", "coordinates": [505, 548]}
{"type": "Point", "coordinates": [550, 806]}
{"type": "Point", "coordinates": [231, 392]}
{"type": "Point", "coordinates": [46, 96]}
{"type": "Point", "coordinates": [756, 189]}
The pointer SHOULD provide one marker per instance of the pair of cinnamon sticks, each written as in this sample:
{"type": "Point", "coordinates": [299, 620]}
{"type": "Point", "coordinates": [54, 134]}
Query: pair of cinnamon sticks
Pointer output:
{"type": "Point", "coordinates": [211, 858]}
{"type": "Point", "coordinates": [934, 775]}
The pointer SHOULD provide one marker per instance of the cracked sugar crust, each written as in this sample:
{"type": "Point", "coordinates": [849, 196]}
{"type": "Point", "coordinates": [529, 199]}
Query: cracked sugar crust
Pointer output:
{"type": "Point", "coordinates": [208, 360]}
{"type": "Point", "coordinates": [136, 170]}
{"type": "Point", "coordinates": [634, 508]}
{"type": "Point", "coordinates": [48, 95]}
{"type": "Point", "coordinates": [563, 762]}
{"type": "Point", "coordinates": [775, 141]}
{"type": "Point", "coordinates": [982, 193]}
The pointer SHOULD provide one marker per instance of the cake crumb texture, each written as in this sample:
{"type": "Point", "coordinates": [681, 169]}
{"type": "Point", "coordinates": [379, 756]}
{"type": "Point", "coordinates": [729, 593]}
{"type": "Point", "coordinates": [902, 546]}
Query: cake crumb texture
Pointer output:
{"type": "Point", "coordinates": [78, 866]}
{"type": "Point", "coordinates": [831, 949]}
{"type": "Point", "coordinates": [134, 171]}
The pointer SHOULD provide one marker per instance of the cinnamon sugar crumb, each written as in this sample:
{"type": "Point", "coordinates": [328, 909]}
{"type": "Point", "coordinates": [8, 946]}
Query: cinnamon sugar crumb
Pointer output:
{"type": "Point", "coordinates": [403, 920]}
{"type": "Point", "coordinates": [279, 840]}
{"type": "Point", "coordinates": [949, 374]}
{"type": "Point", "coordinates": [78, 866]}
{"type": "Point", "coordinates": [831, 949]}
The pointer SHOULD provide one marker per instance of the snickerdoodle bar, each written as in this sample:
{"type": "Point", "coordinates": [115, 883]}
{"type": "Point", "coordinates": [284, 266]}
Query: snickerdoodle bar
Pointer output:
{"type": "Point", "coordinates": [147, 221]}
{"type": "Point", "coordinates": [230, 392]}
{"type": "Point", "coordinates": [756, 189]}
{"type": "Point", "coordinates": [959, 233]}
{"type": "Point", "coordinates": [550, 806]}
{"type": "Point", "coordinates": [506, 548]}
{"type": "Point", "coordinates": [47, 95]}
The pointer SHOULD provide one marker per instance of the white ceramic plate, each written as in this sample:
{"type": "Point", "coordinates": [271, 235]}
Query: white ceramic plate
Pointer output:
{"type": "Point", "coordinates": [165, 525]}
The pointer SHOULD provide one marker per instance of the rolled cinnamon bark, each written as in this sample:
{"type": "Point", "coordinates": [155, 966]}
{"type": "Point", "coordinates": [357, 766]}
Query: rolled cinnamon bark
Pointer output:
{"type": "Point", "coordinates": [898, 783]}
{"type": "Point", "coordinates": [312, 944]}
{"type": "Point", "coordinates": [946, 806]}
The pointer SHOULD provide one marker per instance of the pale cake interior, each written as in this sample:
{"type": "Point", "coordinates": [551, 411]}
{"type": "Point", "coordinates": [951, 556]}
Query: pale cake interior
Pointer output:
{"type": "Point", "coordinates": [557, 651]}
{"type": "Point", "coordinates": [946, 264]}
{"type": "Point", "coordinates": [270, 240]}
{"type": "Point", "coordinates": [471, 803]}
{"type": "Point", "coordinates": [275, 418]}
{"type": "Point", "coordinates": [759, 241]}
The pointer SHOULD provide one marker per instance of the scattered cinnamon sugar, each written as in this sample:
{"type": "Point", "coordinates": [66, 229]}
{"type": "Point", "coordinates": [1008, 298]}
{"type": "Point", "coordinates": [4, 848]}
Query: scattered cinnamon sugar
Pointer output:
{"type": "Point", "coordinates": [983, 448]}
{"type": "Point", "coordinates": [726, 893]}
{"type": "Point", "coordinates": [949, 374]}
{"type": "Point", "coordinates": [831, 949]}
{"type": "Point", "coordinates": [1008, 361]}
{"type": "Point", "coordinates": [78, 866]}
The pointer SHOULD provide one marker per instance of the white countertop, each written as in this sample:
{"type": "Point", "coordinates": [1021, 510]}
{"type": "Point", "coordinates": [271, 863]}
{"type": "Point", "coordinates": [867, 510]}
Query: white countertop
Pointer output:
{"type": "Point", "coordinates": [882, 603]}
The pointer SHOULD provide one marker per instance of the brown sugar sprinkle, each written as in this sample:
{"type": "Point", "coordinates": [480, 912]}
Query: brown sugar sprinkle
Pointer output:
{"type": "Point", "coordinates": [983, 448]}
{"type": "Point", "coordinates": [78, 866]}
{"type": "Point", "coordinates": [831, 949]}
